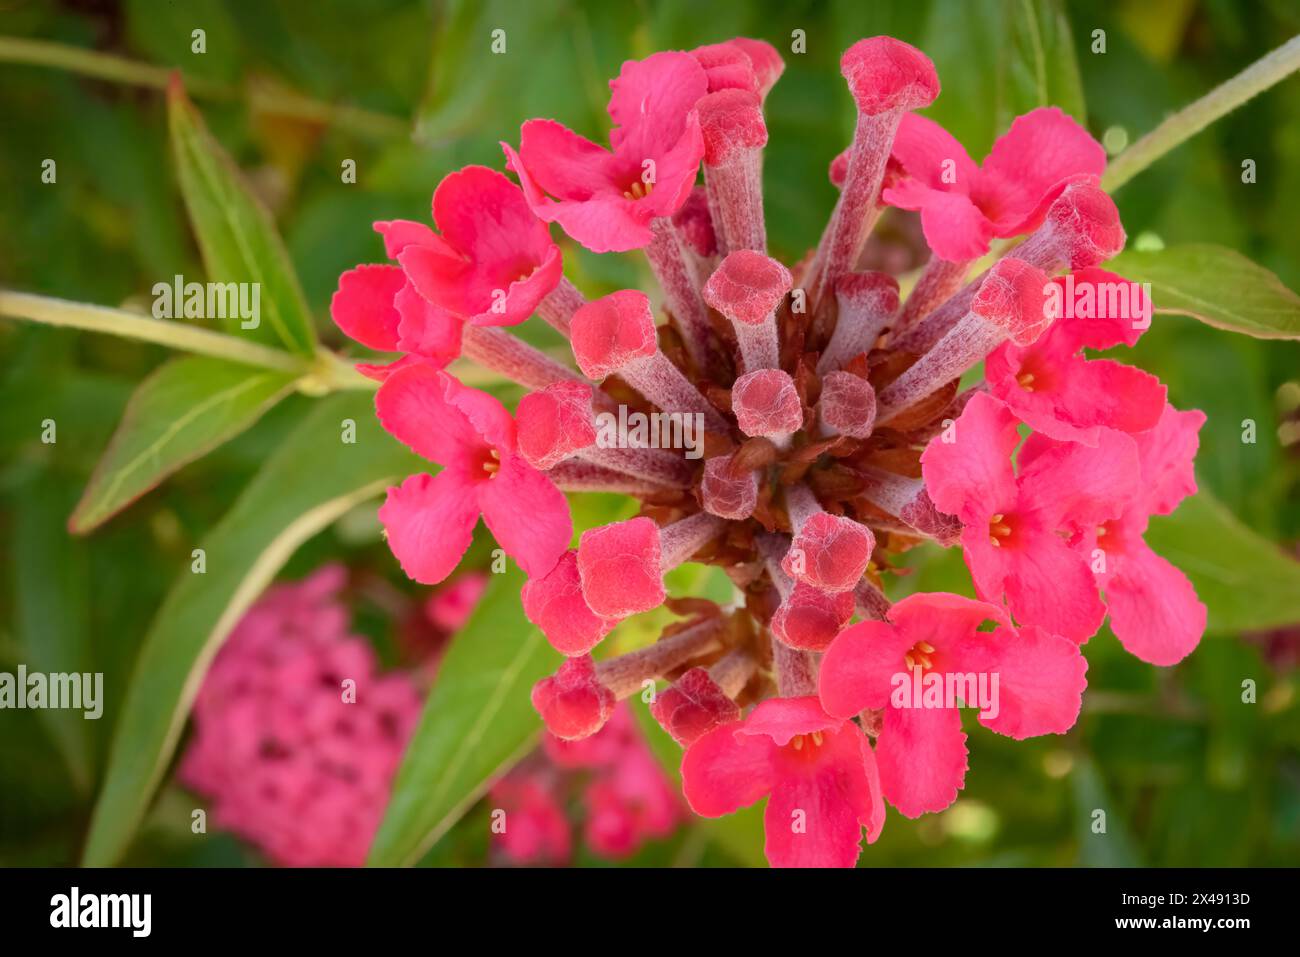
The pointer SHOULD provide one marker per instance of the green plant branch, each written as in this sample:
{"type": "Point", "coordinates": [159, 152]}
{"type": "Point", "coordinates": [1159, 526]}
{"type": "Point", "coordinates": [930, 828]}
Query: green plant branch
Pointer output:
{"type": "Point", "coordinates": [261, 97]}
{"type": "Point", "coordinates": [327, 372]}
{"type": "Point", "coordinates": [1187, 122]}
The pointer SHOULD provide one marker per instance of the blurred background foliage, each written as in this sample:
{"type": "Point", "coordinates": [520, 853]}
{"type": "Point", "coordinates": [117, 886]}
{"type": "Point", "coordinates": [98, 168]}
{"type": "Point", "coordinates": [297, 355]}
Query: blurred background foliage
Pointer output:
{"type": "Point", "coordinates": [1188, 775]}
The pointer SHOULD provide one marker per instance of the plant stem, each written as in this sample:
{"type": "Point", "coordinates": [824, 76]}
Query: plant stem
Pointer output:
{"type": "Point", "coordinates": [174, 335]}
{"type": "Point", "coordinates": [275, 101]}
{"type": "Point", "coordinates": [1190, 120]}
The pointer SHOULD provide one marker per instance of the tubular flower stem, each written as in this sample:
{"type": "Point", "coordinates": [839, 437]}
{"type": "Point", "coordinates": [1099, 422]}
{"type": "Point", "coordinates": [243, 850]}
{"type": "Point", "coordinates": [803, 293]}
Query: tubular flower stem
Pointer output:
{"type": "Point", "coordinates": [731, 122]}
{"type": "Point", "coordinates": [939, 280]}
{"type": "Point", "coordinates": [673, 267]}
{"type": "Point", "coordinates": [1082, 229]}
{"type": "Point", "coordinates": [557, 423]}
{"type": "Point", "coordinates": [581, 476]}
{"type": "Point", "coordinates": [747, 288]}
{"type": "Point", "coordinates": [624, 675]}
{"type": "Point", "coordinates": [867, 302]}
{"type": "Point", "coordinates": [558, 306]}
{"type": "Point", "coordinates": [514, 358]}
{"type": "Point", "coordinates": [907, 500]}
{"type": "Point", "coordinates": [796, 670]}
{"type": "Point", "coordinates": [870, 602]}
{"type": "Point", "coordinates": [616, 336]}
{"type": "Point", "coordinates": [887, 79]}
{"type": "Point", "coordinates": [1009, 305]}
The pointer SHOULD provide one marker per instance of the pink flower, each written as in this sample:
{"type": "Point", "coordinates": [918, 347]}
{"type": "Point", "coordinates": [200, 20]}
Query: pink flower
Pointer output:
{"type": "Point", "coordinates": [1154, 610]}
{"type": "Point", "coordinates": [963, 205]}
{"type": "Point", "coordinates": [606, 200]}
{"type": "Point", "coordinates": [818, 772]}
{"type": "Point", "coordinates": [430, 519]}
{"type": "Point", "coordinates": [1012, 538]}
{"type": "Point", "coordinates": [450, 606]}
{"type": "Point", "coordinates": [630, 803]}
{"type": "Point", "coordinates": [494, 262]}
{"type": "Point", "coordinates": [287, 762]}
{"type": "Point", "coordinates": [536, 830]}
{"type": "Point", "coordinates": [1054, 390]}
{"type": "Point", "coordinates": [922, 750]}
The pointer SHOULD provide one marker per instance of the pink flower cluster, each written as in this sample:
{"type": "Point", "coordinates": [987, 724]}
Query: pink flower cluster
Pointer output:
{"type": "Point", "coordinates": [836, 432]}
{"type": "Point", "coordinates": [625, 796]}
{"type": "Point", "coordinates": [288, 759]}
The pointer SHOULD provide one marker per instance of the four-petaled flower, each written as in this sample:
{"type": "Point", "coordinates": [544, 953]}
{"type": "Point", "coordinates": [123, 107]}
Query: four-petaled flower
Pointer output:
{"type": "Point", "coordinates": [430, 519]}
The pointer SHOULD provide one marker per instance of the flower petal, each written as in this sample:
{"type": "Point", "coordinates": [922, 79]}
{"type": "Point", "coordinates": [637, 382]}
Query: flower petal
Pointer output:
{"type": "Point", "coordinates": [412, 407]}
{"type": "Point", "coordinates": [1154, 610]}
{"type": "Point", "coordinates": [527, 514]}
{"type": "Point", "coordinates": [971, 476]}
{"type": "Point", "coordinates": [649, 99]}
{"type": "Point", "coordinates": [922, 757]}
{"type": "Point", "coordinates": [818, 809]}
{"type": "Point", "coordinates": [1166, 453]}
{"type": "Point", "coordinates": [363, 307]}
{"type": "Point", "coordinates": [859, 667]}
{"type": "Point", "coordinates": [429, 520]}
{"type": "Point", "coordinates": [1041, 679]}
{"type": "Point", "coordinates": [932, 156]}
{"type": "Point", "coordinates": [725, 770]}
{"type": "Point", "coordinates": [1030, 164]}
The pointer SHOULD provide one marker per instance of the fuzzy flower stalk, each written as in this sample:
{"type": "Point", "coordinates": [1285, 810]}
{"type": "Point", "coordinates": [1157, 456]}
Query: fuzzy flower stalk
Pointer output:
{"type": "Point", "coordinates": [833, 428]}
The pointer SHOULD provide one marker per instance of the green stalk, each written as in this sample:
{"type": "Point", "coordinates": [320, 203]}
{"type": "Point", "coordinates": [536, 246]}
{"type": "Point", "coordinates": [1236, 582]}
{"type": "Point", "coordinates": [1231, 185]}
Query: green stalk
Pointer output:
{"type": "Point", "coordinates": [130, 325]}
{"type": "Point", "coordinates": [1187, 122]}
{"type": "Point", "coordinates": [276, 102]}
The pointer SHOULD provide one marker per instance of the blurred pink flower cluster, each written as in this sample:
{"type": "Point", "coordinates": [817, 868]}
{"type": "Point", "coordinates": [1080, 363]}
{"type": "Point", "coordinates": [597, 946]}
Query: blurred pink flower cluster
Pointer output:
{"type": "Point", "coordinates": [296, 733]}
{"type": "Point", "coordinates": [625, 797]}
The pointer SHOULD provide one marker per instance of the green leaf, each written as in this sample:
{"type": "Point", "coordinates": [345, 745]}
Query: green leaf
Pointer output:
{"type": "Point", "coordinates": [1246, 581]}
{"type": "Point", "coordinates": [1218, 286]}
{"type": "Point", "coordinates": [185, 409]}
{"type": "Point", "coordinates": [53, 618]}
{"type": "Point", "coordinates": [477, 722]}
{"type": "Point", "coordinates": [311, 481]}
{"type": "Point", "coordinates": [236, 234]}
{"type": "Point", "coordinates": [998, 59]}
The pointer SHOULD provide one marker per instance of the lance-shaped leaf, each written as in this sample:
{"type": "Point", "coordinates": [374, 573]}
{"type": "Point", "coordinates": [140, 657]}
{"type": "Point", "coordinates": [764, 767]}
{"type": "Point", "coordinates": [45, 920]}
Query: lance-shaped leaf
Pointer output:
{"type": "Point", "coordinates": [313, 479]}
{"type": "Point", "coordinates": [1247, 582]}
{"type": "Point", "coordinates": [185, 409]}
{"type": "Point", "coordinates": [477, 722]}
{"type": "Point", "coordinates": [1216, 285]}
{"type": "Point", "coordinates": [236, 235]}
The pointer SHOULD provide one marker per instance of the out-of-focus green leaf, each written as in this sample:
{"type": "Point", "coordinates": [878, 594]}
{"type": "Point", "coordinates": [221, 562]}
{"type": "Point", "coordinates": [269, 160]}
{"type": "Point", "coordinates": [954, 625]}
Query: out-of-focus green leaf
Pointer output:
{"type": "Point", "coordinates": [1246, 581]}
{"type": "Point", "coordinates": [310, 482]}
{"type": "Point", "coordinates": [50, 585]}
{"type": "Point", "coordinates": [1218, 286]}
{"type": "Point", "coordinates": [235, 232]}
{"type": "Point", "coordinates": [185, 409]}
{"type": "Point", "coordinates": [1103, 841]}
{"type": "Point", "coordinates": [477, 721]}
{"type": "Point", "coordinates": [996, 60]}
